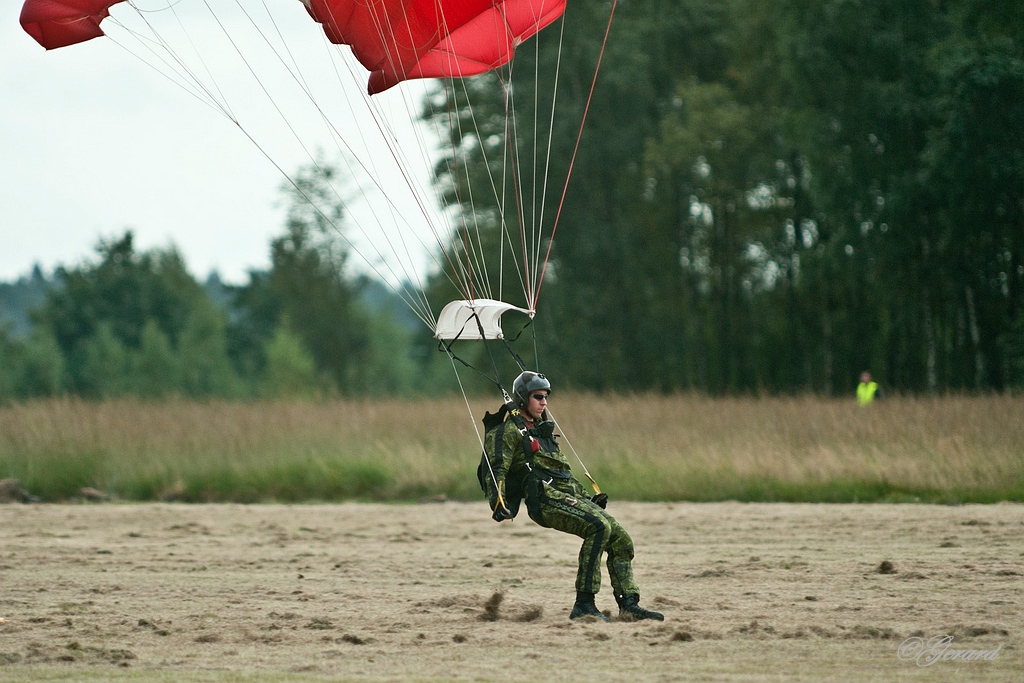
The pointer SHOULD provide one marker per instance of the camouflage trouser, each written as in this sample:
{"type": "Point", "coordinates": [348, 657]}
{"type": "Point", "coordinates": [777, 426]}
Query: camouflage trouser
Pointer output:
{"type": "Point", "coordinates": [574, 513]}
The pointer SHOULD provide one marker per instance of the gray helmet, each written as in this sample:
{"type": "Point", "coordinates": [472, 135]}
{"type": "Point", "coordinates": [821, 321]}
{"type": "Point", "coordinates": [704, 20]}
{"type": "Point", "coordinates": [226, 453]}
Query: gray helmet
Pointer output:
{"type": "Point", "coordinates": [527, 383]}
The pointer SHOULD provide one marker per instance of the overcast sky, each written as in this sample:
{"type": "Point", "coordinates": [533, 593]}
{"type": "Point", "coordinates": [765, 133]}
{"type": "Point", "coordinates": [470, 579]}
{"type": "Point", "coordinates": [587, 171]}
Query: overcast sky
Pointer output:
{"type": "Point", "coordinates": [95, 141]}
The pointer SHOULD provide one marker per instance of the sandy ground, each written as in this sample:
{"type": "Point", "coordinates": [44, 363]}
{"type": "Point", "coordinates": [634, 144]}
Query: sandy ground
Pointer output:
{"type": "Point", "coordinates": [750, 592]}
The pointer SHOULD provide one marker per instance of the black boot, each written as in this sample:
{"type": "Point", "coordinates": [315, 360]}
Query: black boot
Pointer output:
{"type": "Point", "coordinates": [630, 609]}
{"type": "Point", "coordinates": [585, 607]}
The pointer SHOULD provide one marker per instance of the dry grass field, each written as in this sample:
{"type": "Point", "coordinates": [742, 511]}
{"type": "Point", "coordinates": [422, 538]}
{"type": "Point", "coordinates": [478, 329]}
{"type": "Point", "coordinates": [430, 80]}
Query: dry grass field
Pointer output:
{"type": "Point", "coordinates": [439, 592]}
{"type": "Point", "coordinates": [651, 448]}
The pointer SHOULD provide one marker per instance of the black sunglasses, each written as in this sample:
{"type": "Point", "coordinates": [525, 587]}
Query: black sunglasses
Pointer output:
{"type": "Point", "coordinates": [539, 397]}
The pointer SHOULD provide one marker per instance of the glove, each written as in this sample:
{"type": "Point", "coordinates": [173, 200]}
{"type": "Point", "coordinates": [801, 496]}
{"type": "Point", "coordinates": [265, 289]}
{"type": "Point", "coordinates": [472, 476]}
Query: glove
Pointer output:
{"type": "Point", "coordinates": [501, 514]}
{"type": "Point", "coordinates": [600, 500]}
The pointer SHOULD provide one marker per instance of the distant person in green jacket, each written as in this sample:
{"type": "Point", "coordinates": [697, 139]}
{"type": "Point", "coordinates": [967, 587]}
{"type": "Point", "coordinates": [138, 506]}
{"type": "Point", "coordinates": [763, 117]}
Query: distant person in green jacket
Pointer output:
{"type": "Point", "coordinates": [867, 390]}
{"type": "Point", "coordinates": [531, 465]}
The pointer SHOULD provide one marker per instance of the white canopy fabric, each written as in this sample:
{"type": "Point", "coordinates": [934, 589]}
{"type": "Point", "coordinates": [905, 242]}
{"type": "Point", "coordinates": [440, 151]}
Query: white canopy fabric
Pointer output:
{"type": "Point", "coordinates": [459, 319]}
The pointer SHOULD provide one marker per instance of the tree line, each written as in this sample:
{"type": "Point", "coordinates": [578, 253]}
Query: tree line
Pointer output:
{"type": "Point", "coordinates": [775, 197]}
{"type": "Point", "coordinates": [137, 323]}
{"type": "Point", "coordinates": [767, 198]}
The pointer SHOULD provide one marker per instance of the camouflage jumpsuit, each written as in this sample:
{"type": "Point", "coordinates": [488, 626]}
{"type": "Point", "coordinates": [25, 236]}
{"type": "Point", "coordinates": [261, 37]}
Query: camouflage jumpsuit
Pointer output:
{"type": "Point", "coordinates": [555, 499]}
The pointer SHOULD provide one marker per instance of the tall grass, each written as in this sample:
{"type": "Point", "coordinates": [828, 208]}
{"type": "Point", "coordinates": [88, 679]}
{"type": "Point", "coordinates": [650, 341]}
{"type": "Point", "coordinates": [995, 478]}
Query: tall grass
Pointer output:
{"type": "Point", "coordinates": [647, 447]}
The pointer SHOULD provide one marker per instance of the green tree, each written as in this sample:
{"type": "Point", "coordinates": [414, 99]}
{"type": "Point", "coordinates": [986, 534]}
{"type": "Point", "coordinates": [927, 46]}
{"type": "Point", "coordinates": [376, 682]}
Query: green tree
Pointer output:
{"type": "Point", "coordinates": [904, 110]}
{"type": "Point", "coordinates": [119, 294]}
{"type": "Point", "coordinates": [17, 299]}
{"type": "Point", "coordinates": [30, 367]}
{"type": "Point", "coordinates": [715, 191]}
{"type": "Point", "coordinates": [130, 322]}
{"type": "Point", "coordinates": [9, 361]}
{"type": "Point", "coordinates": [975, 181]}
{"type": "Point", "coordinates": [205, 367]}
{"type": "Point", "coordinates": [155, 367]}
{"type": "Point", "coordinates": [291, 370]}
{"type": "Point", "coordinates": [1012, 351]}
{"type": "Point", "coordinates": [103, 364]}
{"type": "Point", "coordinates": [41, 371]}
{"type": "Point", "coordinates": [308, 286]}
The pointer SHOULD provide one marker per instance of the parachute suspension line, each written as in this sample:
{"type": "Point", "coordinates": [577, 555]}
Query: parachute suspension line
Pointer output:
{"type": "Point", "coordinates": [506, 172]}
{"type": "Point", "coordinates": [473, 250]}
{"type": "Point", "coordinates": [427, 320]}
{"type": "Point", "coordinates": [388, 136]}
{"type": "Point", "coordinates": [579, 136]}
{"type": "Point", "coordinates": [547, 161]}
{"type": "Point", "coordinates": [593, 483]}
{"type": "Point", "coordinates": [455, 123]}
{"type": "Point", "coordinates": [508, 176]}
{"type": "Point", "coordinates": [512, 155]}
{"type": "Point", "coordinates": [198, 54]}
{"type": "Point", "coordinates": [479, 438]}
{"type": "Point", "coordinates": [206, 99]}
{"type": "Point", "coordinates": [220, 103]}
{"type": "Point", "coordinates": [465, 398]}
{"type": "Point", "coordinates": [476, 261]}
{"type": "Point", "coordinates": [228, 36]}
{"type": "Point", "coordinates": [469, 245]}
{"type": "Point", "coordinates": [295, 69]}
{"type": "Point", "coordinates": [396, 150]}
{"type": "Point", "coordinates": [539, 211]}
{"type": "Point", "coordinates": [414, 299]}
{"type": "Point", "coordinates": [420, 309]}
{"type": "Point", "coordinates": [535, 218]}
{"type": "Point", "coordinates": [463, 270]}
{"type": "Point", "coordinates": [502, 224]}
{"type": "Point", "coordinates": [512, 134]}
{"type": "Point", "coordinates": [190, 82]}
{"type": "Point", "coordinates": [536, 352]}
{"type": "Point", "coordinates": [170, 6]}
{"type": "Point", "coordinates": [499, 196]}
{"type": "Point", "coordinates": [502, 201]}
{"type": "Point", "coordinates": [476, 428]}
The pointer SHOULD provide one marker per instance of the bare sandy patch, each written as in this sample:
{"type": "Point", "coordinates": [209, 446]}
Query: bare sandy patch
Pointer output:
{"type": "Point", "coordinates": [750, 592]}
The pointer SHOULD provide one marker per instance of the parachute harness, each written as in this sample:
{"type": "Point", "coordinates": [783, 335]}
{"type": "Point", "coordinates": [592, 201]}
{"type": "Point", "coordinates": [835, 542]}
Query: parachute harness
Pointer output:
{"type": "Point", "coordinates": [509, 406]}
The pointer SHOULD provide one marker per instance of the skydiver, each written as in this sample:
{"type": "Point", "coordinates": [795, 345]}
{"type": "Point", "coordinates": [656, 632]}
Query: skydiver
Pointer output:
{"type": "Point", "coordinates": [556, 499]}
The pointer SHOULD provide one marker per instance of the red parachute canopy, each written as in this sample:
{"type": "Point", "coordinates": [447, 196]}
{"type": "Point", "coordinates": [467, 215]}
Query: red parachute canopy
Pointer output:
{"type": "Point", "coordinates": [402, 39]}
{"type": "Point", "coordinates": [57, 23]}
{"type": "Point", "coordinates": [394, 39]}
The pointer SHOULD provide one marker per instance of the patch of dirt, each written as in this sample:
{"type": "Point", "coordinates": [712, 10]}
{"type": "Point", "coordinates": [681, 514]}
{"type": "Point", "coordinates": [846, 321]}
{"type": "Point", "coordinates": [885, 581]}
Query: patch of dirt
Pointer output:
{"type": "Point", "coordinates": [435, 591]}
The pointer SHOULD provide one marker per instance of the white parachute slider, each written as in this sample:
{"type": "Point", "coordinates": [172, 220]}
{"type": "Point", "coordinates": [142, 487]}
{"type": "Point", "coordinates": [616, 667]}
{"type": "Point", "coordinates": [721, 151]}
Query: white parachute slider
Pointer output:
{"type": "Point", "coordinates": [464, 319]}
